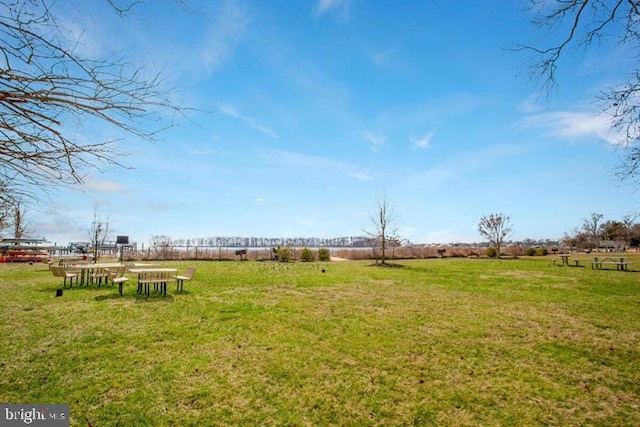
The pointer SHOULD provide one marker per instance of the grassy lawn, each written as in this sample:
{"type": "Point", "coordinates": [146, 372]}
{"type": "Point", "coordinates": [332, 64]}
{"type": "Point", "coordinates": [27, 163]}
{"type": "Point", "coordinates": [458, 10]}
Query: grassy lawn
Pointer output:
{"type": "Point", "coordinates": [438, 342]}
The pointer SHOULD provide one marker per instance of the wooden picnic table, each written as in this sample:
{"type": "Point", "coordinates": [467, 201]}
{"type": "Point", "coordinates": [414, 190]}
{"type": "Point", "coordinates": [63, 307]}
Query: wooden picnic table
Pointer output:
{"type": "Point", "coordinates": [86, 269]}
{"type": "Point", "coordinates": [621, 263]}
{"type": "Point", "coordinates": [565, 261]}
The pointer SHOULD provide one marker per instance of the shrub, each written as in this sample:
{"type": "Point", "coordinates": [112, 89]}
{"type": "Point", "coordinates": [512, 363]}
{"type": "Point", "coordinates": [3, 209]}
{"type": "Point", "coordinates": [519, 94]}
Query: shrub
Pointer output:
{"type": "Point", "coordinates": [324, 254]}
{"type": "Point", "coordinates": [542, 251]}
{"type": "Point", "coordinates": [491, 252]}
{"type": "Point", "coordinates": [531, 251]}
{"type": "Point", "coordinates": [306, 255]}
{"type": "Point", "coordinates": [283, 253]}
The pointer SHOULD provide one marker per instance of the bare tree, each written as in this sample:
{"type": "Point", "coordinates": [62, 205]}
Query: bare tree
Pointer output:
{"type": "Point", "coordinates": [12, 215]}
{"type": "Point", "coordinates": [20, 224]}
{"type": "Point", "coordinates": [591, 227]}
{"type": "Point", "coordinates": [385, 230]}
{"type": "Point", "coordinates": [98, 234]}
{"type": "Point", "coordinates": [47, 87]}
{"type": "Point", "coordinates": [629, 220]}
{"type": "Point", "coordinates": [578, 239]}
{"type": "Point", "coordinates": [5, 215]}
{"type": "Point", "coordinates": [585, 24]}
{"type": "Point", "coordinates": [162, 246]}
{"type": "Point", "coordinates": [495, 228]}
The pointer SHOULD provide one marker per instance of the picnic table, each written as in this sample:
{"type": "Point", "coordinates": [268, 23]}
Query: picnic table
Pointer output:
{"type": "Point", "coordinates": [621, 263]}
{"type": "Point", "coordinates": [565, 261]}
{"type": "Point", "coordinates": [87, 269]}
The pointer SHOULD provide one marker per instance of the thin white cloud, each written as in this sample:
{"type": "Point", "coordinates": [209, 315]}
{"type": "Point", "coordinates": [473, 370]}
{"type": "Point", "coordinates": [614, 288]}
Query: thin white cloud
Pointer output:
{"type": "Point", "coordinates": [260, 201]}
{"type": "Point", "coordinates": [422, 141]}
{"type": "Point", "coordinates": [374, 140]}
{"type": "Point", "coordinates": [307, 163]}
{"type": "Point", "coordinates": [531, 105]}
{"type": "Point", "coordinates": [324, 5]}
{"type": "Point", "coordinates": [224, 35]}
{"type": "Point", "coordinates": [104, 187]}
{"type": "Point", "coordinates": [465, 163]}
{"type": "Point", "coordinates": [380, 54]}
{"type": "Point", "coordinates": [341, 6]}
{"type": "Point", "coordinates": [574, 125]}
{"type": "Point", "coordinates": [60, 228]}
{"type": "Point", "coordinates": [362, 177]}
{"type": "Point", "coordinates": [232, 112]}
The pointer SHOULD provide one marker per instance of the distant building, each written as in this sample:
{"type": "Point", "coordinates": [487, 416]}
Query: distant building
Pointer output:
{"type": "Point", "coordinates": [612, 245]}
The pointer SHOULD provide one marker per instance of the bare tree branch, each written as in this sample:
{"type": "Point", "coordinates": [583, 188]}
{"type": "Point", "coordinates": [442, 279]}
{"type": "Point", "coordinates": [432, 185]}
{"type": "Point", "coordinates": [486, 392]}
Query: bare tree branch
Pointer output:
{"type": "Point", "coordinates": [582, 24]}
{"type": "Point", "coordinates": [45, 87]}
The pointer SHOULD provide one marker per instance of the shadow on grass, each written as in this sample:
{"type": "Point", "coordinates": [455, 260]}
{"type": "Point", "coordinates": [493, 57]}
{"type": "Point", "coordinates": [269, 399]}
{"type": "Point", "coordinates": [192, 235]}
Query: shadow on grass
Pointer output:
{"type": "Point", "coordinates": [76, 288]}
{"type": "Point", "coordinates": [387, 265]}
{"type": "Point", "coordinates": [113, 294]}
{"type": "Point", "coordinates": [139, 299]}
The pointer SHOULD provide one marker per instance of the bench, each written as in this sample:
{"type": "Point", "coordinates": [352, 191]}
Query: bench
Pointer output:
{"type": "Point", "coordinates": [159, 277]}
{"type": "Point", "coordinates": [117, 277]}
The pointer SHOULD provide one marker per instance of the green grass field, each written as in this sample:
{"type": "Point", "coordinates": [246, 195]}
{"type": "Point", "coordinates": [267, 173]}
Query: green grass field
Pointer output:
{"type": "Point", "coordinates": [449, 342]}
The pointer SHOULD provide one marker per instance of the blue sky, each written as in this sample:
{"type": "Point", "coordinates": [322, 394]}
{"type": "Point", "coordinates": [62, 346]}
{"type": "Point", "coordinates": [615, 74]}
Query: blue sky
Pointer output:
{"type": "Point", "coordinates": [306, 111]}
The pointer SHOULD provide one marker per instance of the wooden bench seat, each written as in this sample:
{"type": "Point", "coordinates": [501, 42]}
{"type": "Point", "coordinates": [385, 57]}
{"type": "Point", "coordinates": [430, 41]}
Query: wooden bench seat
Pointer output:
{"type": "Point", "coordinates": [159, 281]}
{"type": "Point", "coordinates": [117, 277]}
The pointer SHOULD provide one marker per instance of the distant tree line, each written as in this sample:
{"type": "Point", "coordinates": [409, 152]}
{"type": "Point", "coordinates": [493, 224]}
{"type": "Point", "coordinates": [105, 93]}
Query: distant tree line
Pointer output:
{"type": "Point", "coordinates": [264, 242]}
{"type": "Point", "coordinates": [595, 233]}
